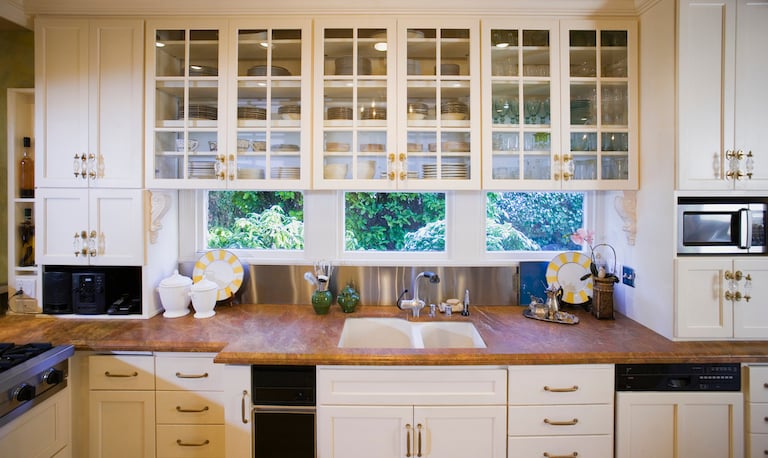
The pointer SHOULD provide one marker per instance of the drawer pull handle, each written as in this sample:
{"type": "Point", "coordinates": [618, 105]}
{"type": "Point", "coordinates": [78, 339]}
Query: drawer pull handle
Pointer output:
{"type": "Point", "coordinates": [572, 455]}
{"type": "Point", "coordinates": [408, 440]}
{"type": "Point", "coordinates": [109, 374]}
{"type": "Point", "coordinates": [181, 443]}
{"type": "Point", "coordinates": [561, 423]}
{"type": "Point", "coordinates": [765, 385]}
{"type": "Point", "coordinates": [243, 407]}
{"type": "Point", "coordinates": [179, 409]}
{"type": "Point", "coordinates": [418, 451]}
{"type": "Point", "coordinates": [180, 375]}
{"type": "Point", "coordinates": [561, 390]}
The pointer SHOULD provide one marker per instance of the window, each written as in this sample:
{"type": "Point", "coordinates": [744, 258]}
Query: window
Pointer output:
{"type": "Point", "coordinates": [394, 221]}
{"type": "Point", "coordinates": [532, 221]}
{"type": "Point", "coordinates": [256, 220]}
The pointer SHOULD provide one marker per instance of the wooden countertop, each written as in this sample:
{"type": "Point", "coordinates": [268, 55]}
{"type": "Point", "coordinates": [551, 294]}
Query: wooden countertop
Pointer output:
{"type": "Point", "coordinates": [294, 334]}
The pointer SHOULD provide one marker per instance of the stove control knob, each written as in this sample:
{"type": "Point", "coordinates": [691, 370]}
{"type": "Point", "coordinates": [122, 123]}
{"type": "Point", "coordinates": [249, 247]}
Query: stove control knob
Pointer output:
{"type": "Point", "coordinates": [24, 392]}
{"type": "Point", "coordinates": [53, 376]}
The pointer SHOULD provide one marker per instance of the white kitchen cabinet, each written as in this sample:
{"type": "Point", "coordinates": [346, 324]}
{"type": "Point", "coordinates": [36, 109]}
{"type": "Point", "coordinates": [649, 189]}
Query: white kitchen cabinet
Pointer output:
{"type": "Point", "coordinates": [392, 412]}
{"type": "Point", "coordinates": [238, 423]}
{"type": "Point", "coordinates": [45, 430]}
{"type": "Point", "coordinates": [722, 92]}
{"type": "Point", "coordinates": [90, 226]}
{"type": "Point", "coordinates": [756, 390]}
{"type": "Point", "coordinates": [560, 410]}
{"type": "Point", "coordinates": [397, 103]}
{"type": "Point", "coordinates": [189, 405]}
{"type": "Point", "coordinates": [721, 298]}
{"type": "Point", "coordinates": [666, 424]}
{"type": "Point", "coordinates": [230, 102]}
{"type": "Point", "coordinates": [89, 102]}
{"type": "Point", "coordinates": [122, 406]}
{"type": "Point", "coordinates": [560, 104]}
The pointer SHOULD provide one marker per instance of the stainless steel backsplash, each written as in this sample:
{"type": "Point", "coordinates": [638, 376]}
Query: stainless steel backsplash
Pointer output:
{"type": "Point", "coordinates": [263, 284]}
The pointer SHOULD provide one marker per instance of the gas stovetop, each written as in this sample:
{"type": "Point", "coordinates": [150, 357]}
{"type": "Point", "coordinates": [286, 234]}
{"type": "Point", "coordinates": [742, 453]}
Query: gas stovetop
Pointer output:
{"type": "Point", "coordinates": [29, 374]}
{"type": "Point", "coordinates": [12, 354]}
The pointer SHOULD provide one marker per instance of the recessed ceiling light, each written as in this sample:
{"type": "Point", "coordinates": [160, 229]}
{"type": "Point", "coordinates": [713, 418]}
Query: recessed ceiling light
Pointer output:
{"type": "Point", "coordinates": [380, 46]}
{"type": "Point", "coordinates": [159, 44]}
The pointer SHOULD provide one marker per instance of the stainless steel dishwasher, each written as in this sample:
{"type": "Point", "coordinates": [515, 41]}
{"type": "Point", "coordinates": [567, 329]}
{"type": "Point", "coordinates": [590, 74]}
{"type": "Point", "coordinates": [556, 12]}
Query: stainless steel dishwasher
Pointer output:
{"type": "Point", "coordinates": [283, 411]}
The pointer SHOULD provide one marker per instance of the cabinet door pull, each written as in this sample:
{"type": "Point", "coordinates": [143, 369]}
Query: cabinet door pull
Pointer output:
{"type": "Point", "coordinates": [243, 408]}
{"type": "Point", "coordinates": [418, 440]}
{"type": "Point", "coordinates": [572, 455]}
{"type": "Point", "coordinates": [179, 409]}
{"type": "Point", "coordinates": [133, 374]}
{"type": "Point", "coordinates": [181, 443]}
{"type": "Point", "coordinates": [561, 423]}
{"type": "Point", "coordinates": [180, 375]}
{"type": "Point", "coordinates": [765, 385]}
{"type": "Point", "coordinates": [561, 390]}
{"type": "Point", "coordinates": [408, 439]}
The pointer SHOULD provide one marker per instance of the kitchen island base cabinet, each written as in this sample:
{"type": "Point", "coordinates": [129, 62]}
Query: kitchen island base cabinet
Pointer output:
{"type": "Point", "coordinates": [756, 389]}
{"type": "Point", "coordinates": [672, 424]}
{"type": "Point", "coordinates": [395, 412]}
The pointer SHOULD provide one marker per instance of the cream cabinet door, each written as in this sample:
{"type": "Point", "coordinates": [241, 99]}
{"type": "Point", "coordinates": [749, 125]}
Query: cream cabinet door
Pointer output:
{"type": "Point", "coordinates": [370, 431]}
{"type": "Point", "coordinates": [721, 145]}
{"type": "Point", "coordinates": [112, 221]}
{"type": "Point", "coordinates": [750, 317]}
{"type": "Point", "coordinates": [122, 424]}
{"type": "Point", "coordinates": [89, 81]}
{"type": "Point", "coordinates": [666, 425]}
{"type": "Point", "coordinates": [701, 308]}
{"type": "Point", "coordinates": [459, 431]}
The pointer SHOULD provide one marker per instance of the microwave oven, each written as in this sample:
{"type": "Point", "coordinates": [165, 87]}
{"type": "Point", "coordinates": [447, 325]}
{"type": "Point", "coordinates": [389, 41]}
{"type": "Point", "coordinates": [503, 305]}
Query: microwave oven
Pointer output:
{"type": "Point", "coordinates": [721, 226]}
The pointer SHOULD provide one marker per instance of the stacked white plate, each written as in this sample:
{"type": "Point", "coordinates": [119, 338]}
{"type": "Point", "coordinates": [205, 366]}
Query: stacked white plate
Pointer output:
{"type": "Point", "coordinates": [289, 112]}
{"type": "Point", "coordinates": [250, 174]}
{"type": "Point", "coordinates": [202, 70]}
{"type": "Point", "coordinates": [448, 170]}
{"type": "Point", "coordinates": [196, 111]}
{"type": "Point", "coordinates": [251, 113]}
{"type": "Point", "coordinates": [285, 147]}
{"type": "Point", "coordinates": [286, 173]}
{"type": "Point", "coordinates": [417, 111]}
{"type": "Point", "coordinates": [378, 113]}
{"type": "Point", "coordinates": [202, 169]}
{"type": "Point", "coordinates": [454, 111]}
{"type": "Point", "coordinates": [339, 113]}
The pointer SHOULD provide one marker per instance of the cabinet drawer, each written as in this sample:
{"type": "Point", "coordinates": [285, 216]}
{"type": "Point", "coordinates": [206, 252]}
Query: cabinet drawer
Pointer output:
{"type": "Point", "coordinates": [561, 384]}
{"type": "Point", "coordinates": [121, 372]}
{"type": "Point", "coordinates": [758, 384]}
{"type": "Point", "coordinates": [758, 445]}
{"type": "Point", "coordinates": [188, 373]}
{"type": "Point", "coordinates": [399, 386]}
{"type": "Point", "coordinates": [565, 446]}
{"type": "Point", "coordinates": [190, 407]}
{"type": "Point", "coordinates": [560, 420]}
{"type": "Point", "coordinates": [182, 441]}
{"type": "Point", "coordinates": [758, 418]}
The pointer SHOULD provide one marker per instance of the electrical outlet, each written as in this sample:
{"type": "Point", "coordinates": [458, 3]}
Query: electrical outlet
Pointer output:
{"type": "Point", "coordinates": [628, 276]}
{"type": "Point", "coordinates": [28, 285]}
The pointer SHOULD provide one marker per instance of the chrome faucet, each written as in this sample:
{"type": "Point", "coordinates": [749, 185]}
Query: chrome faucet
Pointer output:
{"type": "Point", "coordinates": [416, 304]}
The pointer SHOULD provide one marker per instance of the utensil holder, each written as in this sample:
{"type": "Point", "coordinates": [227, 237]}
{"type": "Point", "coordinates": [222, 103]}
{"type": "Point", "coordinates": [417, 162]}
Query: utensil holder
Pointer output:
{"type": "Point", "coordinates": [602, 302]}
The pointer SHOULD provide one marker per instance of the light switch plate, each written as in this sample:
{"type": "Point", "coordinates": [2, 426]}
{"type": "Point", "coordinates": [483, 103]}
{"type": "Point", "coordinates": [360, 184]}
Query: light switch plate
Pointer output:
{"type": "Point", "coordinates": [628, 276]}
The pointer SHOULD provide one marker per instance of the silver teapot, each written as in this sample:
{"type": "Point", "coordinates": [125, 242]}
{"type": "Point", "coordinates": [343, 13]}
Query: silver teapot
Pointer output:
{"type": "Point", "coordinates": [553, 302]}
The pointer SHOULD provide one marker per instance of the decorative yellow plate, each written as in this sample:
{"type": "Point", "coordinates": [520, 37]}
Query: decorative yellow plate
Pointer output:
{"type": "Point", "coordinates": [566, 270]}
{"type": "Point", "coordinates": [227, 272]}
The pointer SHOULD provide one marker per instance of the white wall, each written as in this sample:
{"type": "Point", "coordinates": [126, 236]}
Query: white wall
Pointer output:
{"type": "Point", "coordinates": [651, 302]}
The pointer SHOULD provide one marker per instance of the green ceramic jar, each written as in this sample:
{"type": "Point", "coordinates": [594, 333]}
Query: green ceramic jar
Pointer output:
{"type": "Point", "coordinates": [321, 301]}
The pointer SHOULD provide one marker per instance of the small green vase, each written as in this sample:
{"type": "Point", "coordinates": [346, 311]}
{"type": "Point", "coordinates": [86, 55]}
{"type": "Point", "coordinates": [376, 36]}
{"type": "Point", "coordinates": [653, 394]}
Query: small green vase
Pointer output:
{"type": "Point", "coordinates": [321, 301]}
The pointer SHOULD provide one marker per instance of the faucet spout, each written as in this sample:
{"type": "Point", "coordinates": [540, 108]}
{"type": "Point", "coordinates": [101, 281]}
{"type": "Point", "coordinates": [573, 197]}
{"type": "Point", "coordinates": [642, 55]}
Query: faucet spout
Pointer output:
{"type": "Point", "coordinates": [416, 303]}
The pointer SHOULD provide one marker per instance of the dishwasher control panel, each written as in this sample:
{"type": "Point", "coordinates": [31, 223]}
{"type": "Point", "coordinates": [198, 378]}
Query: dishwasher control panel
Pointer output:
{"type": "Point", "coordinates": [678, 377]}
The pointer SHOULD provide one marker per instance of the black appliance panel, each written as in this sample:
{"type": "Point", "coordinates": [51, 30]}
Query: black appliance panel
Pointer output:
{"type": "Point", "coordinates": [678, 377]}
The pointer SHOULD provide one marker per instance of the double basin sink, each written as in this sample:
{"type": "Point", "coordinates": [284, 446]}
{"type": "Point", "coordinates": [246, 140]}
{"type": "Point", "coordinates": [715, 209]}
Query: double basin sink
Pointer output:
{"type": "Point", "coordinates": [399, 333]}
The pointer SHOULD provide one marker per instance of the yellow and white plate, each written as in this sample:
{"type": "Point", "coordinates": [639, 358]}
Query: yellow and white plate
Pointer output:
{"type": "Point", "coordinates": [226, 270]}
{"type": "Point", "coordinates": [566, 270]}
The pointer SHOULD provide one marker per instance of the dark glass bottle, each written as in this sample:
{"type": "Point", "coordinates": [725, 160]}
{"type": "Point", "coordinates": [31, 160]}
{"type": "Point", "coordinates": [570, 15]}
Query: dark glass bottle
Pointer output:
{"type": "Point", "coordinates": [26, 172]}
{"type": "Point", "coordinates": [27, 238]}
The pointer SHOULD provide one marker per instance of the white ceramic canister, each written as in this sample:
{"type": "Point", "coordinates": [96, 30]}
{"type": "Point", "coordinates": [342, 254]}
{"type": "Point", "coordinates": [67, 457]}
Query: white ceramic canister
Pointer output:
{"type": "Point", "coordinates": [203, 295]}
{"type": "Point", "coordinates": [174, 295]}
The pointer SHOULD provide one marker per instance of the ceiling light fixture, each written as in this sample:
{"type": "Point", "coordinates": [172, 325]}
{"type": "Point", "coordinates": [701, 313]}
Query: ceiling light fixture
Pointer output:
{"type": "Point", "coordinates": [380, 46]}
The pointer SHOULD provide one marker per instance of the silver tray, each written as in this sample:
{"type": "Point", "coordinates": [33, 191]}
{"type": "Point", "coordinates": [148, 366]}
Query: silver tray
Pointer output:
{"type": "Point", "coordinates": [570, 318]}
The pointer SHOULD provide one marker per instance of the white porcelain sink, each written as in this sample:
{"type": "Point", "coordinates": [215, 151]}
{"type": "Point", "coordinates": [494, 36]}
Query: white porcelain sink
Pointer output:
{"type": "Point", "coordinates": [399, 333]}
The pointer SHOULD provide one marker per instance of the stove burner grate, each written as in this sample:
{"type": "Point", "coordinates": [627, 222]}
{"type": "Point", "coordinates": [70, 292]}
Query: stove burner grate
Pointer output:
{"type": "Point", "coordinates": [12, 354]}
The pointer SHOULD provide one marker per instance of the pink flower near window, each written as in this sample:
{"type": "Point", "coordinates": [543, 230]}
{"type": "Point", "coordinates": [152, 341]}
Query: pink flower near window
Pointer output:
{"type": "Point", "coordinates": [582, 236]}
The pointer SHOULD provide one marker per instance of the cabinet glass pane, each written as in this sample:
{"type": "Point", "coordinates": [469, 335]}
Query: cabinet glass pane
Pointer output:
{"type": "Point", "coordinates": [613, 54]}
{"type": "Point", "coordinates": [203, 53]}
{"type": "Point", "coordinates": [170, 52]}
{"type": "Point", "coordinates": [454, 52]}
{"type": "Point", "coordinates": [269, 105]}
{"type": "Point", "coordinates": [583, 110]}
{"type": "Point", "coordinates": [614, 104]}
{"type": "Point", "coordinates": [504, 52]}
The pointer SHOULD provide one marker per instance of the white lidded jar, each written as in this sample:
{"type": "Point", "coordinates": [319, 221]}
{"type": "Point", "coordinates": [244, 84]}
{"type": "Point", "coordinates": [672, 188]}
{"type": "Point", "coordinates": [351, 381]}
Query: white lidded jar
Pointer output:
{"type": "Point", "coordinates": [174, 295]}
{"type": "Point", "coordinates": [203, 295]}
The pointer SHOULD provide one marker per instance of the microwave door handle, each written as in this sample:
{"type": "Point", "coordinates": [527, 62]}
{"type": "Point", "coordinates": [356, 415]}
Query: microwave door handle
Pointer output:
{"type": "Point", "coordinates": [745, 234]}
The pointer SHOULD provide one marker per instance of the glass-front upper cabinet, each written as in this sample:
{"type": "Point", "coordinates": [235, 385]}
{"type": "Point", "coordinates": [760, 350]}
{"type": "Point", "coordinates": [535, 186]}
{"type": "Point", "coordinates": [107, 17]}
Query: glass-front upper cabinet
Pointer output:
{"type": "Point", "coordinates": [394, 102]}
{"type": "Point", "coordinates": [269, 147]}
{"type": "Point", "coordinates": [599, 105]}
{"type": "Point", "coordinates": [521, 105]}
{"type": "Point", "coordinates": [186, 121]}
